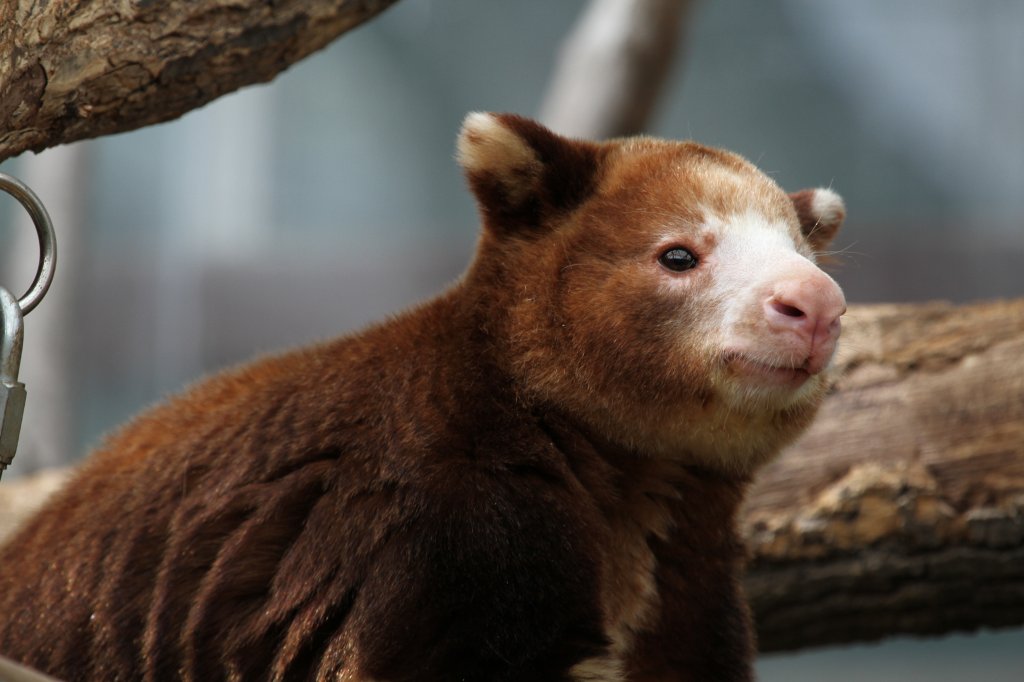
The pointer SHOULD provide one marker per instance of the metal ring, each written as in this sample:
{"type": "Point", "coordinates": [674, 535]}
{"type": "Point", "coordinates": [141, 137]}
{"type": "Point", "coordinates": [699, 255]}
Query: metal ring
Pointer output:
{"type": "Point", "coordinates": [47, 242]}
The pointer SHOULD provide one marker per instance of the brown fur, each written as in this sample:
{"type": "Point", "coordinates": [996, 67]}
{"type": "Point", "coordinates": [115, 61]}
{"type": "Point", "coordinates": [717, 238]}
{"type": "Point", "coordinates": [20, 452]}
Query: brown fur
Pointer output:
{"type": "Point", "coordinates": [510, 482]}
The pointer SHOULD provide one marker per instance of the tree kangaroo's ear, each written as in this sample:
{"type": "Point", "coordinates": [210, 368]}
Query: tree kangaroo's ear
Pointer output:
{"type": "Point", "coordinates": [522, 173]}
{"type": "Point", "coordinates": [821, 212]}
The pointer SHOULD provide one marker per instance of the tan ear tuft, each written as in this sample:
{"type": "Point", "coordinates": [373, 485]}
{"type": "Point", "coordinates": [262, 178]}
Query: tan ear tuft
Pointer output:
{"type": "Point", "coordinates": [821, 212]}
{"type": "Point", "coordinates": [828, 207]}
{"type": "Point", "coordinates": [487, 146]}
{"type": "Point", "coordinates": [523, 175]}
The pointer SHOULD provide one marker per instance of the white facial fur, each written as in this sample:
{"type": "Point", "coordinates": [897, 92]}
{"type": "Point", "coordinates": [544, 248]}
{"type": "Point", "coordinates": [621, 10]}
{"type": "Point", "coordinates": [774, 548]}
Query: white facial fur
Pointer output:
{"type": "Point", "coordinates": [758, 270]}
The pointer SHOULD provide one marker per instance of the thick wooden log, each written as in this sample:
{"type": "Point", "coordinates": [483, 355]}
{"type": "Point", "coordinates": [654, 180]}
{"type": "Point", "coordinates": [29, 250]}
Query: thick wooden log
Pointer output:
{"type": "Point", "coordinates": [75, 70]}
{"type": "Point", "coordinates": [901, 511]}
{"type": "Point", "coordinates": [20, 498]}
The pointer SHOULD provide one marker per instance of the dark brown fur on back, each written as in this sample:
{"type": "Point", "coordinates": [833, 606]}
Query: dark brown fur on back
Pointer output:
{"type": "Point", "coordinates": [323, 511]}
{"type": "Point", "coordinates": [379, 505]}
{"type": "Point", "coordinates": [435, 498]}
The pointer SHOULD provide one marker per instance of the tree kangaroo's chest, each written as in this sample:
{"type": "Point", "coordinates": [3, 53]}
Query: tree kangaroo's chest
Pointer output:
{"type": "Point", "coordinates": [669, 565]}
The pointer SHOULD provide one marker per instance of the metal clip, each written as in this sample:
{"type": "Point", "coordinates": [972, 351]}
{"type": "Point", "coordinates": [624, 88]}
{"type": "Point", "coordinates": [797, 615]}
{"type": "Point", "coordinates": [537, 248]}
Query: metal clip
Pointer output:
{"type": "Point", "coordinates": [12, 391]}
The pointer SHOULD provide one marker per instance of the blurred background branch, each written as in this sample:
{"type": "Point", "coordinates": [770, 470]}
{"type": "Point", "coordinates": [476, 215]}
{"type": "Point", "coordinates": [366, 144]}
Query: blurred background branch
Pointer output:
{"type": "Point", "coordinates": [613, 66]}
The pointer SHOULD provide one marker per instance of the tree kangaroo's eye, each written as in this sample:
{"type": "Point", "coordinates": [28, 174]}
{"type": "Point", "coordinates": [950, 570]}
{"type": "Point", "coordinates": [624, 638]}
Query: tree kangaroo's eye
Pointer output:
{"type": "Point", "coordinates": [678, 259]}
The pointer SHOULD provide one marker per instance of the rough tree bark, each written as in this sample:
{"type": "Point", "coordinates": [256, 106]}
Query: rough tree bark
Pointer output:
{"type": "Point", "coordinates": [902, 509]}
{"type": "Point", "coordinates": [74, 70]}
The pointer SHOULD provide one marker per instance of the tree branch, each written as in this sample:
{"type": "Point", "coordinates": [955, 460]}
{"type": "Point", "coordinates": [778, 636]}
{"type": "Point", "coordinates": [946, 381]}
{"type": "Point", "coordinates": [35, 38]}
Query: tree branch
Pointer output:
{"type": "Point", "coordinates": [74, 70]}
{"type": "Point", "coordinates": [901, 511]}
{"type": "Point", "coordinates": [613, 67]}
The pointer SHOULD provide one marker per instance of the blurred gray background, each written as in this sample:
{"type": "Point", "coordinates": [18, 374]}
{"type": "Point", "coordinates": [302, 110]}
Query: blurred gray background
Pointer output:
{"type": "Point", "coordinates": [301, 209]}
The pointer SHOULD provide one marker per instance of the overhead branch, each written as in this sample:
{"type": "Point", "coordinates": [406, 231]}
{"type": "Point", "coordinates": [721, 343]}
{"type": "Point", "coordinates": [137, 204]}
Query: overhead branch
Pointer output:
{"type": "Point", "coordinates": [75, 70]}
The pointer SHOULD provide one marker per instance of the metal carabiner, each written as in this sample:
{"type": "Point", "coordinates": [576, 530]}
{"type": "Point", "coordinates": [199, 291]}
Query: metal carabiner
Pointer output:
{"type": "Point", "coordinates": [12, 391]}
{"type": "Point", "coordinates": [47, 242]}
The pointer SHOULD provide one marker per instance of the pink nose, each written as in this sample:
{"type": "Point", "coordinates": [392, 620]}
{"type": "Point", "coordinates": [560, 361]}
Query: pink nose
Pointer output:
{"type": "Point", "coordinates": [808, 307]}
